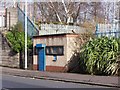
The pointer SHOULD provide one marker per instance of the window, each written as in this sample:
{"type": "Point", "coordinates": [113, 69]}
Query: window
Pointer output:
{"type": "Point", "coordinates": [54, 50]}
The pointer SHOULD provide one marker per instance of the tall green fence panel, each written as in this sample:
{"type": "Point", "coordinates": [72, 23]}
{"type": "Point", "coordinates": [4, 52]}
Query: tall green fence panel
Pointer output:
{"type": "Point", "coordinates": [32, 29]}
{"type": "Point", "coordinates": [109, 30]}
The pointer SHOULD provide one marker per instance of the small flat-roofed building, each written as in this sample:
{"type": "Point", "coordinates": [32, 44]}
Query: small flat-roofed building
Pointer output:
{"type": "Point", "coordinates": [53, 52]}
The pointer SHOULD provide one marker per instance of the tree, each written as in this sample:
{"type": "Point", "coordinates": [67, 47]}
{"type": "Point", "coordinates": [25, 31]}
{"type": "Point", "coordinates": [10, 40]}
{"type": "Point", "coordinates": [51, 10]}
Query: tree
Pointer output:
{"type": "Point", "coordinates": [16, 38]}
{"type": "Point", "coordinates": [58, 11]}
{"type": "Point", "coordinates": [79, 11]}
{"type": "Point", "coordinates": [84, 14]}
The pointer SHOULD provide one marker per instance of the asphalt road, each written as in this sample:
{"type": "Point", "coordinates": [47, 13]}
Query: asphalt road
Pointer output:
{"type": "Point", "coordinates": [9, 81]}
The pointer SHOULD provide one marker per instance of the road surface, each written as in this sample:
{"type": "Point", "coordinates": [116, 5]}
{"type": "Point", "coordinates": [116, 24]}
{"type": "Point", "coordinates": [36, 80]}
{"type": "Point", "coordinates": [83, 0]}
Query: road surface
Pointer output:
{"type": "Point", "coordinates": [9, 81]}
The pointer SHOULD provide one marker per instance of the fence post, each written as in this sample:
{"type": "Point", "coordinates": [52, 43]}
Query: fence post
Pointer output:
{"type": "Point", "coordinates": [119, 15]}
{"type": "Point", "coordinates": [9, 21]}
{"type": "Point", "coordinates": [96, 30]}
{"type": "Point", "coordinates": [6, 17]}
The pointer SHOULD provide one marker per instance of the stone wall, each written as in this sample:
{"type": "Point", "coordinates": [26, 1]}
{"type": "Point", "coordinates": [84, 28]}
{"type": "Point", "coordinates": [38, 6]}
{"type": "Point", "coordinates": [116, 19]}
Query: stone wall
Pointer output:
{"type": "Point", "coordinates": [9, 58]}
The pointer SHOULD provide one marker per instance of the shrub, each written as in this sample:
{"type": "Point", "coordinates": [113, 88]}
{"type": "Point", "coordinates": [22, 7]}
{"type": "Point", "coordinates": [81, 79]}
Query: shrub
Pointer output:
{"type": "Point", "coordinates": [16, 38]}
{"type": "Point", "coordinates": [100, 54]}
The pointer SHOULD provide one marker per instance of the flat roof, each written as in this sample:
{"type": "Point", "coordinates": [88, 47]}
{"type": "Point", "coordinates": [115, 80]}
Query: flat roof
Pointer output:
{"type": "Point", "coordinates": [62, 34]}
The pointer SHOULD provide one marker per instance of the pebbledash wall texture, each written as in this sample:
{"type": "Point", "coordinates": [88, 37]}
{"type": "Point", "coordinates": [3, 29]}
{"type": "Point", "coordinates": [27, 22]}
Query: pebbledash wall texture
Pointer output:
{"type": "Point", "coordinates": [67, 41]}
{"type": "Point", "coordinates": [11, 18]}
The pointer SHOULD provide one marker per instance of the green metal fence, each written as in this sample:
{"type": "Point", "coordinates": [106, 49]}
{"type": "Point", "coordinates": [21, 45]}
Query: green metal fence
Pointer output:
{"type": "Point", "coordinates": [32, 29]}
{"type": "Point", "coordinates": [109, 30]}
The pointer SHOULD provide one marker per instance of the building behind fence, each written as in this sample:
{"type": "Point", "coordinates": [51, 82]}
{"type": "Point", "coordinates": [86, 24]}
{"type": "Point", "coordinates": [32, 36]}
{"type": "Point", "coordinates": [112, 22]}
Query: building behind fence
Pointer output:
{"type": "Point", "coordinates": [109, 30]}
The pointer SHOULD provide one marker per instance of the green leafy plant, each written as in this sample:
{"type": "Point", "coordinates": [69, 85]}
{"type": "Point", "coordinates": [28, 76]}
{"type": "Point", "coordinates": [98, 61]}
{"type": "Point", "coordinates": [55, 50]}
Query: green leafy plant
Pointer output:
{"type": "Point", "coordinates": [17, 41]}
{"type": "Point", "coordinates": [16, 38]}
{"type": "Point", "coordinates": [100, 55]}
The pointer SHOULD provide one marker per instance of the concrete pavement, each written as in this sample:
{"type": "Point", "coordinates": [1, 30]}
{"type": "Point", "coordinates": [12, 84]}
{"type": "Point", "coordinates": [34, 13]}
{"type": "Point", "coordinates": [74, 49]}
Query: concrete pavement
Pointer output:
{"type": "Point", "coordinates": [109, 81]}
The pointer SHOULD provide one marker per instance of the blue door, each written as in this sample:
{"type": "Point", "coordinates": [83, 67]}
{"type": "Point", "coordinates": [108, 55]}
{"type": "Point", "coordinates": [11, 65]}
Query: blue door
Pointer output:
{"type": "Point", "coordinates": [41, 57]}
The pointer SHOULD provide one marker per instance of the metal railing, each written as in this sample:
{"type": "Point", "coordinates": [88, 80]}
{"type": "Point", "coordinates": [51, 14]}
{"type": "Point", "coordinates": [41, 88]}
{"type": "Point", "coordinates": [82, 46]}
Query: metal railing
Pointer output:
{"type": "Point", "coordinates": [109, 30]}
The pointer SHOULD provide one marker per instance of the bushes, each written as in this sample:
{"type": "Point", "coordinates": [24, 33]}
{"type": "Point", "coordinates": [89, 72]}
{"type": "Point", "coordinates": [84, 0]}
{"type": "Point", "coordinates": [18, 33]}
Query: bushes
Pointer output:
{"type": "Point", "coordinates": [100, 54]}
{"type": "Point", "coordinates": [16, 38]}
{"type": "Point", "coordinates": [17, 41]}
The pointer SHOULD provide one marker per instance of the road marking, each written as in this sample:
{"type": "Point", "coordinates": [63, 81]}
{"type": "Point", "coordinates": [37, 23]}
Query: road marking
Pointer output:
{"type": "Point", "coordinates": [4, 89]}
